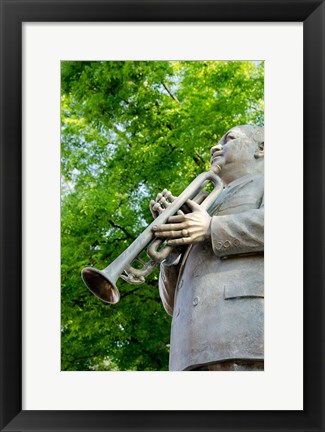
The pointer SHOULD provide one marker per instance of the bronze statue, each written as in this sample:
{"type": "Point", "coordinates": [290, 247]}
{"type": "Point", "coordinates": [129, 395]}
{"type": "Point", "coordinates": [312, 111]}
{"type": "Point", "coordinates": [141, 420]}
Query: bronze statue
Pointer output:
{"type": "Point", "coordinates": [211, 273]}
{"type": "Point", "coordinates": [212, 283]}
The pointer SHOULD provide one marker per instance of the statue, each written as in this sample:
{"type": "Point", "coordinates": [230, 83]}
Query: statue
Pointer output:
{"type": "Point", "coordinates": [213, 282]}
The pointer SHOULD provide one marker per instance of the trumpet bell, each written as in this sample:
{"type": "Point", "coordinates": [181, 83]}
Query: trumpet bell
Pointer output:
{"type": "Point", "coordinates": [100, 284]}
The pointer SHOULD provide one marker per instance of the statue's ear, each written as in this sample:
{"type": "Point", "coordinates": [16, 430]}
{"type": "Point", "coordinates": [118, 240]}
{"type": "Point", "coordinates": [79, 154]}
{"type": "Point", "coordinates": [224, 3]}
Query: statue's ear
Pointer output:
{"type": "Point", "coordinates": [260, 151]}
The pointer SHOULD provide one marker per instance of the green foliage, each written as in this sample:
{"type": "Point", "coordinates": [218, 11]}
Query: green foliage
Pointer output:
{"type": "Point", "coordinates": [130, 129]}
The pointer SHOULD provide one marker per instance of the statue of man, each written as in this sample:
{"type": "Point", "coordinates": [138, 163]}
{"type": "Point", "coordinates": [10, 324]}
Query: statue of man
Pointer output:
{"type": "Point", "coordinates": [213, 282]}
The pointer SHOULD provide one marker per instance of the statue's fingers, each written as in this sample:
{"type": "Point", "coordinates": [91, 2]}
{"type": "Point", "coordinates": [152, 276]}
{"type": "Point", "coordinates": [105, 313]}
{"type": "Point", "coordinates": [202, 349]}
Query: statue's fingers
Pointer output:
{"type": "Point", "coordinates": [151, 206]}
{"type": "Point", "coordinates": [157, 208]}
{"type": "Point", "coordinates": [180, 241]}
{"type": "Point", "coordinates": [193, 205]}
{"type": "Point", "coordinates": [177, 218]}
{"type": "Point", "coordinates": [163, 202]}
{"type": "Point", "coordinates": [169, 234]}
{"type": "Point", "coordinates": [165, 192]}
{"type": "Point", "coordinates": [169, 196]}
{"type": "Point", "coordinates": [170, 227]}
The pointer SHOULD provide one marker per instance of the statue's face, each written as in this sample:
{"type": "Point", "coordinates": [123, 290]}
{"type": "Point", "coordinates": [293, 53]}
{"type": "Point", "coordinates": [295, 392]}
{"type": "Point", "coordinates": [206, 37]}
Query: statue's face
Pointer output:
{"type": "Point", "coordinates": [236, 152]}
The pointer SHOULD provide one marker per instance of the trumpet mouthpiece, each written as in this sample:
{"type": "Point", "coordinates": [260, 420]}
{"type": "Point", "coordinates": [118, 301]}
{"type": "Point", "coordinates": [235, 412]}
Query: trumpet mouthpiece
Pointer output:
{"type": "Point", "coordinates": [216, 168]}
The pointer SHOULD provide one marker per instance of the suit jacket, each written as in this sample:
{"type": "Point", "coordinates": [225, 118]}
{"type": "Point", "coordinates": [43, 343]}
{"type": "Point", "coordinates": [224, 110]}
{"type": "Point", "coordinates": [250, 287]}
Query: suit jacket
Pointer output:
{"type": "Point", "coordinates": [215, 290]}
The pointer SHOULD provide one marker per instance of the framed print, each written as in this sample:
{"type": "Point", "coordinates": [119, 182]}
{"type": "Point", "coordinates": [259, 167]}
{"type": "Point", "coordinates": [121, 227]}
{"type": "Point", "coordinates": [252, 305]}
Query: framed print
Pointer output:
{"type": "Point", "coordinates": [45, 46]}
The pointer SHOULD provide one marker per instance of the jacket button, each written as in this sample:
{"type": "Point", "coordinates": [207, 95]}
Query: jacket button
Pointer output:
{"type": "Point", "coordinates": [226, 244]}
{"type": "Point", "coordinates": [196, 301]}
{"type": "Point", "coordinates": [236, 242]}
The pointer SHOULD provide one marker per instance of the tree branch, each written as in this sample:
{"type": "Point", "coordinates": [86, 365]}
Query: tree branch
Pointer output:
{"type": "Point", "coordinates": [198, 159]}
{"type": "Point", "coordinates": [170, 93]}
{"type": "Point", "coordinates": [127, 293]}
{"type": "Point", "coordinates": [122, 229]}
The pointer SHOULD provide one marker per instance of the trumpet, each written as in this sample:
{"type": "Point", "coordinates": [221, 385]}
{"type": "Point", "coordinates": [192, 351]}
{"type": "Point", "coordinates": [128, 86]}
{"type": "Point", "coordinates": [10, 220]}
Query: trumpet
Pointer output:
{"type": "Point", "coordinates": [102, 283]}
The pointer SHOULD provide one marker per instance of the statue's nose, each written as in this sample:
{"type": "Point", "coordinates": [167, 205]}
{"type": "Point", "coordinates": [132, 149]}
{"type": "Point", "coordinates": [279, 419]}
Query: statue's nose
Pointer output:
{"type": "Point", "coordinates": [218, 147]}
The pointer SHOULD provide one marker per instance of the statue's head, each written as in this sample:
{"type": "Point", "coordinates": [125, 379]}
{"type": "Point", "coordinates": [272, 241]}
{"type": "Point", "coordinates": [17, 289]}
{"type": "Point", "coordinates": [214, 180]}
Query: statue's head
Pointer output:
{"type": "Point", "coordinates": [240, 152]}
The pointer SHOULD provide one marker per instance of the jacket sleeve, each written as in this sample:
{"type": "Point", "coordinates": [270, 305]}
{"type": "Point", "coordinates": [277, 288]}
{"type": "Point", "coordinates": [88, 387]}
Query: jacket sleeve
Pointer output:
{"type": "Point", "coordinates": [169, 270]}
{"type": "Point", "coordinates": [238, 233]}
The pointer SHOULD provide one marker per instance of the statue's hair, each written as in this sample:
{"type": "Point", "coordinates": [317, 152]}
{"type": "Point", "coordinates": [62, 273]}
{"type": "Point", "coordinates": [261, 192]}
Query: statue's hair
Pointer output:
{"type": "Point", "coordinates": [254, 132]}
{"type": "Point", "coordinates": [258, 134]}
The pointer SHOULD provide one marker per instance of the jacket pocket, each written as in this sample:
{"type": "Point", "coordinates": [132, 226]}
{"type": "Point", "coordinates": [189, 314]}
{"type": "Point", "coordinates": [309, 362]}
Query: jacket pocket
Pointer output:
{"type": "Point", "coordinates": [242, 290]}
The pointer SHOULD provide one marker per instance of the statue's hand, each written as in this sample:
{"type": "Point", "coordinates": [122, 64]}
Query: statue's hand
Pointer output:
{"type": "Point", "coordinates": [163, 200]}
{"type": "Point", "coordinates": [187, 228]}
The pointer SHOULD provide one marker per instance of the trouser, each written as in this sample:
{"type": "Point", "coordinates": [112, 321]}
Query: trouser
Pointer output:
{"type": "Point", "coordinates": [233, 365]}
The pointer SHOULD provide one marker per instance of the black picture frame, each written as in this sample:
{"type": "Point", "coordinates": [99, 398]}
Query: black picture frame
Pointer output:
{"type": "Point", "coordinates": [13, 14]}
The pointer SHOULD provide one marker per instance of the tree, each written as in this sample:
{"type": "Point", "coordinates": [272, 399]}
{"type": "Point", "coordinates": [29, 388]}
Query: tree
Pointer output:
{"type": "Point", "coordinates": [130, 129]}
